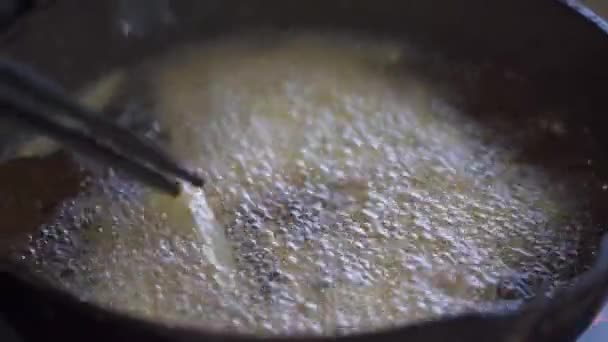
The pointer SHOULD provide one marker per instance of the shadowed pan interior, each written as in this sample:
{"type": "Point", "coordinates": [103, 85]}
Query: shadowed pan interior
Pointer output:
{"type": "Point", "coordinates": [354, 182]}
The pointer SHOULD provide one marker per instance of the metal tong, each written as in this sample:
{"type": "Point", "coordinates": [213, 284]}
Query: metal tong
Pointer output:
{"type": "Point", "coordinates": [39, 104]}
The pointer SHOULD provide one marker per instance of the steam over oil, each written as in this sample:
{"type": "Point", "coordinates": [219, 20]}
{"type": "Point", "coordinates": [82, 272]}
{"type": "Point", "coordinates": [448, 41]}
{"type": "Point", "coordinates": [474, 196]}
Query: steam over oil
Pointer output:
{"type": "Point", "coordinates": [345, 192]}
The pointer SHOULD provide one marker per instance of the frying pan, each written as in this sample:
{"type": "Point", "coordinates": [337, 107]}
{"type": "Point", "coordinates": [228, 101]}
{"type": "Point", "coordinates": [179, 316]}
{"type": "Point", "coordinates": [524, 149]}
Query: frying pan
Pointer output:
{"type": "Point", "coordinates": [561, 48]}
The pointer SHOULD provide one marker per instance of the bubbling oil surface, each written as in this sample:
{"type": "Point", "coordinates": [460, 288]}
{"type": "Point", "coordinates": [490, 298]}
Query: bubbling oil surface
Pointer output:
{"type": "Point", "coordinates": [341, 196]}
